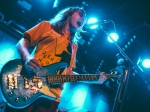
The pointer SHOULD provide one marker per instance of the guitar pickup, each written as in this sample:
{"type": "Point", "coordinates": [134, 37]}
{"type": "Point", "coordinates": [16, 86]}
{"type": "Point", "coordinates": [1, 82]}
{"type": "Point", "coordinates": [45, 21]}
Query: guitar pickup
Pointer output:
{"type": "Point", "coordinates": [12, 81]}
{"type": "Point", "coordinates": [26, 83]}
{"type": "Point", "coordinates": [38, 81]}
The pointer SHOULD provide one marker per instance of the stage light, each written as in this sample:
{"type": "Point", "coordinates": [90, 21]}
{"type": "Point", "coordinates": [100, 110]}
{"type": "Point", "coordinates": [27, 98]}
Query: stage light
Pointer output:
{"type": "Point", "coordinates": [99, 66]}
{"type": "Point", "coordinates": [93, 26]}
{"type": "Point", "coordinates": [114, 36]}
{"type": "Point", "coordinates": [83, 3]}
{"type": "Point", "coordinates": [89, 43]}
{"type": "Point", "coordinates": [91, 39]}
{"type": "Point", "coordinates": [134, 37]}
{"type": "Point", "coordinates": [95, 32]}
{"type": "Point", "coordinates": [79, 92]}
{"type": "Point", "coordinates": [56, 3]}
{"type": "Point", "coordinates": [129, 43]}
{"type": "Point", "coordinates": [126, 46]}
{"type": "Point", "coordinates": [146, 63]}
{"type": "Point", "coordinates": [79, 97]}
{"type": "Point", "coordinates": [92, 21]}
{"type": "Point", "coordinates": [131, 40]}
{"type": "Point", "coordinates": [93, 35]}
{"type": "Point", "coordinates": [81, 41]}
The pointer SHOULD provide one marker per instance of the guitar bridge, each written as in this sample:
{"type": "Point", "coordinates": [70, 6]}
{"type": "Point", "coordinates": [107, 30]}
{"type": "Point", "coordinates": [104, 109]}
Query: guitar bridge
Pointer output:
{"type": "Point", "coordinates": [26, 83]}
{"type": "Point", "coordinates": [38, 81]}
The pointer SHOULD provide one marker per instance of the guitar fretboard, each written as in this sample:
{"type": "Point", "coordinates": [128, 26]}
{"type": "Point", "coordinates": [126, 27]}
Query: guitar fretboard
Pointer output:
{"type": "Point", "coordinates": [70, 78]}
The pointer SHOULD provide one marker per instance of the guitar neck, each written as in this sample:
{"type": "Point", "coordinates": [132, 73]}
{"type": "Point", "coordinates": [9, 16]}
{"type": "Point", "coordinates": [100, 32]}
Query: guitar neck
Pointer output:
{"type": "Point", "coordinates": [70, 78]}
{"type": "Point", "coordinates": [74, 78]}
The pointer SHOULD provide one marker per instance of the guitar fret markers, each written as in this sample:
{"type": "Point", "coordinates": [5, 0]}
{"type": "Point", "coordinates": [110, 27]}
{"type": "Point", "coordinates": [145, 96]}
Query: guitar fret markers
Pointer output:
{"type": "Point", "coordinates": [70, 78]}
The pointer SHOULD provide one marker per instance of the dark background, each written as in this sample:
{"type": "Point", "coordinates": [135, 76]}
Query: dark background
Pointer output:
{"type": "Point", "coordinates": [131, 18]}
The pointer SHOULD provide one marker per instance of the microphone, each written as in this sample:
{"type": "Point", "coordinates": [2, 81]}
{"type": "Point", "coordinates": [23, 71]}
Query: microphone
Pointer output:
{"type": "Point", "coordinates": [100, 22]}
{"type": "Point", "coordinates": [104, 21]}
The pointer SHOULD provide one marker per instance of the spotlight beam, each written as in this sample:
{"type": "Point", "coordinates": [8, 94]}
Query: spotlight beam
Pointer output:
{"type": "Point", "coordinates": [56, 3]}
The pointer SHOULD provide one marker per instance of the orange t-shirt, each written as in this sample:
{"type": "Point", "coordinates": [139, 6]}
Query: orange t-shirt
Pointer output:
{"type": "Point", "coordinates": [51, 47]}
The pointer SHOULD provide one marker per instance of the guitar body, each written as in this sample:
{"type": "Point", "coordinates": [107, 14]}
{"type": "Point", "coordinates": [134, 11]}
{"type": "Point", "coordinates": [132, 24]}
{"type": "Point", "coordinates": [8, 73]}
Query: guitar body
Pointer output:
{"type": "Point", "coordinates": [19, 88]}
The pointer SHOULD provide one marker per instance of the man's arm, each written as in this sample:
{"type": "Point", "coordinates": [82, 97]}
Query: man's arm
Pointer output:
{"type": "Point", "coordinates": [31, 63]}
{"type": "Point", "coordinates": [22, 47]}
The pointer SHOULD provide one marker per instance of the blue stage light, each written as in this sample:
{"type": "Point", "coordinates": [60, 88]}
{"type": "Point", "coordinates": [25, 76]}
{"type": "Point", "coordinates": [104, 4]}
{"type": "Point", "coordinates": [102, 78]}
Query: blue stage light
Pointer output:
{"type": "Point", "coordinates": [114, 36]}
{"type": "Point", "coordinates": [146, 63]}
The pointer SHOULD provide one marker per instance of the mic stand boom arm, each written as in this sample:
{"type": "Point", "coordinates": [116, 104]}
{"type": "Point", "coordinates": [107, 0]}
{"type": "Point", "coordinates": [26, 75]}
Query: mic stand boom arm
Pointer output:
{"type": "Point", "coordinates": [124, 81]}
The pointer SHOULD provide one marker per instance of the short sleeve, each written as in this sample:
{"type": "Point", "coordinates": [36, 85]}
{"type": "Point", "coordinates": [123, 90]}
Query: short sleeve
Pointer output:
{"type": "Point", "coordinates": [35, 34]}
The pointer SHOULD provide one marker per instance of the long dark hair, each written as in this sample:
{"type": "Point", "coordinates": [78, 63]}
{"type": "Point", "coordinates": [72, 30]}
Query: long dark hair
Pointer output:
{"type": "Point", "coordinates": [58, 22]}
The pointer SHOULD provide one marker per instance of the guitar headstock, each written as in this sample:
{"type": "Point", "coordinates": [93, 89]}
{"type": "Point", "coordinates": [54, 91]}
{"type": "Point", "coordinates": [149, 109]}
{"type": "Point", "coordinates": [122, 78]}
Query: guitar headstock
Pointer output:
{"type": "Point", "coordinates": [115, 73]}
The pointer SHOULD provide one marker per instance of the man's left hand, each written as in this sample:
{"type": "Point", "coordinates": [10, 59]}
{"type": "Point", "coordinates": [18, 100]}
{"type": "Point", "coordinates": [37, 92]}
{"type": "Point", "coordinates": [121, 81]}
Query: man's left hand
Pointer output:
{"type": "Point", "coordinates": [102, 77]}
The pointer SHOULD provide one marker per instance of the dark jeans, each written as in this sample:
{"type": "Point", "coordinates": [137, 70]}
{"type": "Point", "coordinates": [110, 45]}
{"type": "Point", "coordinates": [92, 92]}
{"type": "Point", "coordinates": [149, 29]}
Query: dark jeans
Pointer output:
{"type": "Point", "coordinates": [40, 105]}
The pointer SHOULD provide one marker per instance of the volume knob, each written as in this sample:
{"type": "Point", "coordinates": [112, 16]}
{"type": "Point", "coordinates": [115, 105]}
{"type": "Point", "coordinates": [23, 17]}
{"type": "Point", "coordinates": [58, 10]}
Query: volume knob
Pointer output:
{"type": "Point", "coordinates": [17, 99]}
{"type": "Point", "coordinates": [25, 98]}
{"type": "Point", "coordinates": [10, 94]}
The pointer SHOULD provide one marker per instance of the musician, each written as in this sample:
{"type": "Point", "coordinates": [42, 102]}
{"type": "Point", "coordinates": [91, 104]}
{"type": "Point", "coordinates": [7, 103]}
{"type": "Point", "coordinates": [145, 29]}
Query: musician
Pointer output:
{"type": "Point", "coordinates": [55, 41]}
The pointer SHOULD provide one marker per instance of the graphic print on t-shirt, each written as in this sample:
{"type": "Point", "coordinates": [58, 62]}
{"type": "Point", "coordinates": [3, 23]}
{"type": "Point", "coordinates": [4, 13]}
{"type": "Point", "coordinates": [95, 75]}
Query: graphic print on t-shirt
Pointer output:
{"type": "Point", "coordinates": [66, 54]}
{"type": "Point", "coordinates": [61, 53]}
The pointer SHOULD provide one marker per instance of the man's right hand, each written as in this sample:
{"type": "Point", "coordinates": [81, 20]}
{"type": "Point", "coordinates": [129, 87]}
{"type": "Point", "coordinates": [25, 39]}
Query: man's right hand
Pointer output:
{"type": "Point", "coordinates": [32, 64]}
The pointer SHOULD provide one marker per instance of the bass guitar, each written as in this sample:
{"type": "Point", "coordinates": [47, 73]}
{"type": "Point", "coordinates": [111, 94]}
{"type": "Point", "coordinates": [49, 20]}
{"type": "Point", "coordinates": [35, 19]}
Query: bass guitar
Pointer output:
{"type": "Point", "coordinates": [20, 88]}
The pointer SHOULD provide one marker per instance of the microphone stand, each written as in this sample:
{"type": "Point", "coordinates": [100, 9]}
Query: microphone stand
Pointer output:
{"type": "Point", "coordinates": [122, 87]}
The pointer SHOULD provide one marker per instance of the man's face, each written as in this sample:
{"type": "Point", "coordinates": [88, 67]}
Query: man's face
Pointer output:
{"type": "Point", "coordinates": [77, 19]}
